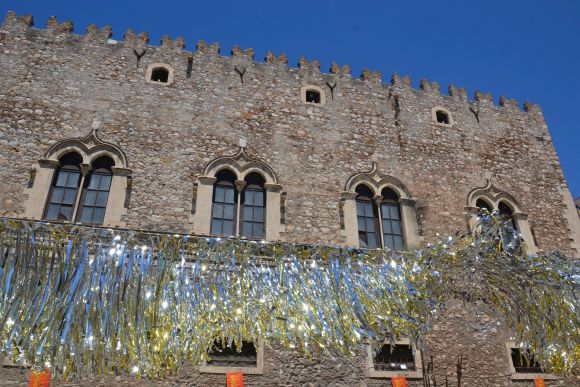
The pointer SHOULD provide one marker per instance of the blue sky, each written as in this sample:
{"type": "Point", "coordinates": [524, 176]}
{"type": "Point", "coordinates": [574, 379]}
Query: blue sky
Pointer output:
{"type": "Point", "coordinates": [520, 49]}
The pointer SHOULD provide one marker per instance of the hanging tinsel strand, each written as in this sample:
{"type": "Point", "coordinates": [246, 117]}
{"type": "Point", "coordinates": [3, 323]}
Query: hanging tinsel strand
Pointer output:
{"type": "Point", "coordinates": [88, 301]}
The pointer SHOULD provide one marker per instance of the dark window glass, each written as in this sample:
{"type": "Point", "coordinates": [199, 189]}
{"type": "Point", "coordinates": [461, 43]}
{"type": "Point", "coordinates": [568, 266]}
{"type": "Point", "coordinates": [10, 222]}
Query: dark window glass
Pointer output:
{"type": "Point", "coordinates": [223, 356]}
{"type": "Point", "coordinates": [96, 192]}
{"type": "Point", "coordinates": [253, 208]}
{"type": "Point", "coordinates": [391, 218]}
{"type": "Point", "coordinates": [510, 238]}
{"type": "Point", "coordinates": [525, 364]}
{"type": "Point", "coordinates": [480, 203]}
{"type": "Point", "coordinates": [442, 117]}
{"type": "Point", "coordinates": [160, 75]}
{"type": "Point", "coordinates": [394, 358]}
{"type": "Point", "coordinates": [367, 218]}
{"type": "Point", "coordinates": [312, 96]}
{"type": "Point", "coordinates": [224, 207]}
{"type": "Point", "coordinates": [64, 189]}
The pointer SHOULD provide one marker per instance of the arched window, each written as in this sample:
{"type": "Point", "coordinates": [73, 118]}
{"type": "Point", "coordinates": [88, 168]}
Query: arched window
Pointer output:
{"type": "Point", "coordinates": [65, 185]}
{"type": "Point", "coordinates": [391, 220]}
{"type": "Point", "coordinates": [506, 212]}
{"type": "Point", "coordinates": [224, 208]}
{"type": "Point", "coordinates": [253, 207]}
{"type": "Point", "coordinates": [95, 194]}
{"type": "Point", "coordinates": [241, 196]}
{"type": "Point", "coordinates": [482, 204]}
{"type": "Point", "coordinates": [367, 218]}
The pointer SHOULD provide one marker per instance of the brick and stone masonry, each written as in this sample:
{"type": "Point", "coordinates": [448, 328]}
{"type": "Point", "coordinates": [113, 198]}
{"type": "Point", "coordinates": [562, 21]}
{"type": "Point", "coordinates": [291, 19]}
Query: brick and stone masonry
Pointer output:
{"type": "Point", "coordinates": [56, 85]}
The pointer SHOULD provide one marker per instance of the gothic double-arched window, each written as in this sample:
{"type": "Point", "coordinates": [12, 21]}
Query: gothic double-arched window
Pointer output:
{"type": "Point", "coordinates": [378, 211]}
{"type": "Point", "coordinates": [238, 196]}
{"type": "Point", "coordinates": [66, 203]}
{"type": "Point", "coordinates": [83, 180]}
{"type": "Point", "coordinates": [239, 206]}
{"type": "Point", "coordinates": [491, 199]}
{"type": "Point", "coordinates": [379, 219]}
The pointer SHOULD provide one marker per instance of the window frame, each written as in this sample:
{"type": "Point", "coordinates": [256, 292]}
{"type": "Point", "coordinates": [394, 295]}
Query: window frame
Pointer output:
{"type": "Point", "coordinates": [230, 185]}
{"type": "Point", "coordinates": [377, 374]}
{"type": "Point", "coordinates": [84, 190]}
{"type": "Point", "coordinates": [366, 201]}
{"type": "Point", "coordinates": [74, 204]}
{"type": "Point", "coordinates": [391, 202]}
{"type": "Point", "coordinates": [523, 375]}
{"type": "Point", "coordinates": [305, 89]}
{"type": "Point", "coordinates": [154, 66]}
{"type": "Point", "coordinates": [444, 110]}
{"type": "Point", "coordinates": [254, 188]}
{"type": "Point", "coordinates": [257, 370]}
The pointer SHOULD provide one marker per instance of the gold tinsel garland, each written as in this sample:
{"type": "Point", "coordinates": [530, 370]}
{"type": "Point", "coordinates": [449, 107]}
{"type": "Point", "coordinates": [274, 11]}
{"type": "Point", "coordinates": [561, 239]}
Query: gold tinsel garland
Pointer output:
{"type": "Point", "coordinates": [86, 301]}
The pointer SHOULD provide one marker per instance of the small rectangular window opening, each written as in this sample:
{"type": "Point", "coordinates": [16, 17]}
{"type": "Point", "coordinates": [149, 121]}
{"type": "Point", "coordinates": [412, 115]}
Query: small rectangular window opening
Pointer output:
{"type": "Point", "coordinates": [312, 96]}
{"type": "Point", "coordinates": [224, 356]}
{"type": "Point", "coordinates": [160, 75]}
{"type": "Point", "coordinates": [442, 117]}
{"type": "Point", "coordinates": [525, 364]}
{"type": "Point", "coordinates": [395, 358]}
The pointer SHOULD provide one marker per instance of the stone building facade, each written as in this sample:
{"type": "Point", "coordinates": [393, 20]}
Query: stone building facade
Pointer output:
{"type": "Point", "coordinates": [170, 121]}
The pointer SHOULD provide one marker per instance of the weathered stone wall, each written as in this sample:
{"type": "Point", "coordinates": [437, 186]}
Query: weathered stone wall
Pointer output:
{"type": "Point", "coordinates": [56, 85]}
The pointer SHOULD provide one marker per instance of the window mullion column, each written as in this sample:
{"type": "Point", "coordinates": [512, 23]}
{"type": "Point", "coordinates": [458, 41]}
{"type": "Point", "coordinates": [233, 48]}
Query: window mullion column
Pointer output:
{"type": "Point", "coordinates": [85, 170]}
{"type": "Point", "coordinates": [240, 185]}
{"type": "Point", "coordinates": [378, 200]}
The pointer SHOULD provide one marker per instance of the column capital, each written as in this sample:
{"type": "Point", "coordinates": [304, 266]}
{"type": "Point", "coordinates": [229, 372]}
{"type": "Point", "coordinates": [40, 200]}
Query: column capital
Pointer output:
{"type": "Point", "coordinates": [407, 202]}
{"type": "Point", "coordinates": [378, 199]}
{"type": "Point", "coordinates": [271, 187]}
{"type": "Point", "coordinates": [86, 168]}
{"type": "Point", "coordinates": [120, 171]}
{"type": "Point", "coordinates": [47, 163]}
{"type": "Point", "coordinates": [240, 184]}
{"type": "Point", "coordinates": [348, 195]}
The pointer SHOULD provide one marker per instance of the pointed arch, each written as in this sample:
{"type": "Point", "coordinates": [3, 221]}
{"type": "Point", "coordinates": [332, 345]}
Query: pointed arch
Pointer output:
{"type": "Point", "coordinates": [241, 164]}
{"type": "Point", "coordinates": [90, 147]}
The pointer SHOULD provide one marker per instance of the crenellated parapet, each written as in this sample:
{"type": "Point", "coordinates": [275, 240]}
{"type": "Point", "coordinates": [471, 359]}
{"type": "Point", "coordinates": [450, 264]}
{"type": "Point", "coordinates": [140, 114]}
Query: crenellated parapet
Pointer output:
{"type": "Point", "coordinates": [243, 58]}
{"type": "Point", "coordinates": [96, 35]}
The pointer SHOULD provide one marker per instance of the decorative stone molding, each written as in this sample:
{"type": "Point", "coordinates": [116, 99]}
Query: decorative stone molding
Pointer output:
{"type": "Point", "coordinates": [89, 148]}
{"type": "Point", "coordinates": [240, 165]}
{"type": "Point", "coordinates": [376, 182]}
{"type": "Point", "coordinates": [154, 66]}
{"type": "Point", "coordinates": [410, 374]}
{"type": "Point", "coordinates": [493, 197]}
